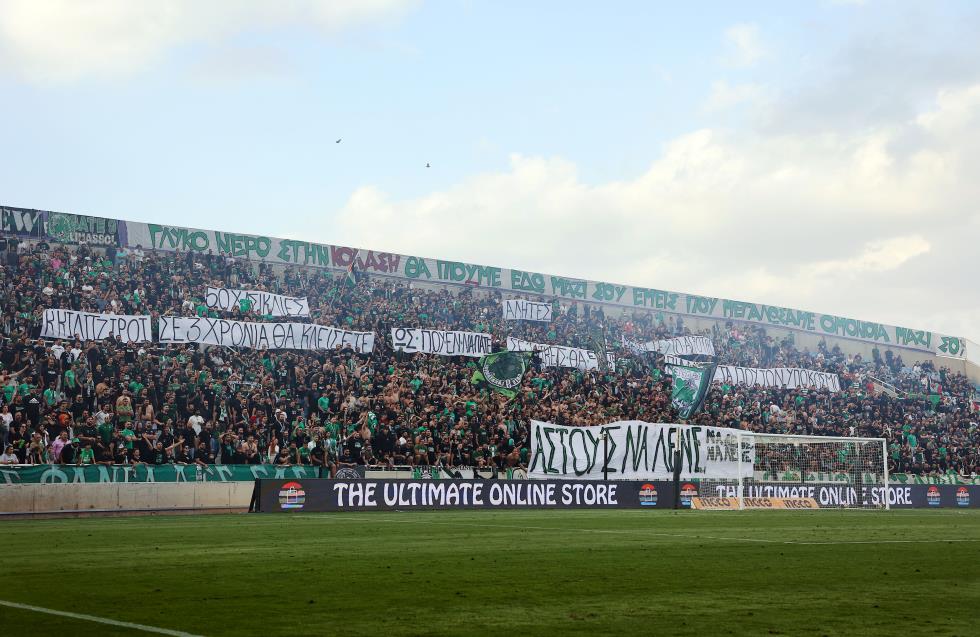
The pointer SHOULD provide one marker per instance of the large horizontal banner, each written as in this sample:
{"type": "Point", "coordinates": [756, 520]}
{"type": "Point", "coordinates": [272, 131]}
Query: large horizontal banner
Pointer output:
{"type": "Point", "coordinates": [832, 496]}
{"type": "Point", "coordinates": [257, 302]}
{"type": "Point", "coordinates": [302, 336]}
{"type": "Point", "coordinates": [783, 377]}
{"type": "Point", "coordinates": [559, 355]}
{"type": "Point", "coordinates": [680, 346]}
{"type": "Point", "coordinates": [520, 310]}
{"type": "Point", "coordinates": [293, 251]}
{"type": "Point", "coordinates": [292, 496]}
{"type": "Point", "coordinates": [67, 474]}
{"type": "Point", "coordinates": [636, 450]}
{"type": "Point", "coordinates": [90, 326]}
{"type": "Point", "coordinates": [441, 342]}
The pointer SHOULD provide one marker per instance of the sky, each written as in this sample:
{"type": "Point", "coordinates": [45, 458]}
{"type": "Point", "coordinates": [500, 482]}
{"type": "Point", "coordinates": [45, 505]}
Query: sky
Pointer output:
{"type": "Point", "coordinates": [817, 155]}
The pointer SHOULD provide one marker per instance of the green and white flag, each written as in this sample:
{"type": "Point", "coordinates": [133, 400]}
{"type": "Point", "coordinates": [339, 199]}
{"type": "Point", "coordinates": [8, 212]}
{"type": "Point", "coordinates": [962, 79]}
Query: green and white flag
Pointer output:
{"type": "Point", "coordinates": [690, 385]}
{"type": "Point", "coordinates": [502, 371]}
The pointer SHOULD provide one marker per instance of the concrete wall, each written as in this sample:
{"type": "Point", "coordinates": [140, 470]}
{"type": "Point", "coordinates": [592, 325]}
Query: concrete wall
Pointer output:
{"type": "Point", "coordinates": [123, 496]}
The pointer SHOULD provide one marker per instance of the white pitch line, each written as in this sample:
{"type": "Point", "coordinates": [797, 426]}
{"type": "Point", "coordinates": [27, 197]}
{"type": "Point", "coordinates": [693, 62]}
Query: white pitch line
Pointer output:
{"type": "Point", "coordinates": [686, 536]}
{"type": "Point", "coordinates": [100, 620]}
{"type": "Point", "coordinates": [884, 541]}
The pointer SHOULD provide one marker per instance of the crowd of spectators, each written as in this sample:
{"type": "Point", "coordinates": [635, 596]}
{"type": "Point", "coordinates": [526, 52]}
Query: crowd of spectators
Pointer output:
{"type": "Point", "coordinates": [110, 402]}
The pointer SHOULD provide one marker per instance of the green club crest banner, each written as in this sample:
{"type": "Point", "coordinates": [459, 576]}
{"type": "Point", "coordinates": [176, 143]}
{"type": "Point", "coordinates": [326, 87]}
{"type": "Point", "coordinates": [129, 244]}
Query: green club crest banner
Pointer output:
{"type": "Point", "coordinates": [689, 387]}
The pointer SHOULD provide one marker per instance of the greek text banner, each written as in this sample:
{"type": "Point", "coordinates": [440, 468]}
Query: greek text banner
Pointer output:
{"type": "Point", "coordinates": [265, 303]}
{"type": "Point", "coordinates": [441, 342]}
{"type": "Point", "coordinates": [416, 268]}
{"type": "Point", "coordinates": [558, 355]}
{"type": "Point", "coordinates": [680, 346]}
{"type": "Point", "coordinates": [301, 336]}
{"type": "Point", "coordinates": [89, 326]}
{"type": "Point", "coordinates": [519, 310]}
{"type": "Point", "coordinates": [788, 377]}
{"type": "Point", "coordinates": [635, 450]}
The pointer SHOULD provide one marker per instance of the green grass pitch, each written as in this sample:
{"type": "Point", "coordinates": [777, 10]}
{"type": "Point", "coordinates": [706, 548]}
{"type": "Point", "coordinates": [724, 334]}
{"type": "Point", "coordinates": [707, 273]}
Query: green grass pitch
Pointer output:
{"type": "Point", "coordinates": [500, 573]}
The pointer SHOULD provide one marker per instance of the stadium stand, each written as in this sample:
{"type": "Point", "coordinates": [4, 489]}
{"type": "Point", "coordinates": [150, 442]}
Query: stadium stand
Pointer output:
{"type": "Point", "coordinates": [109, 402]}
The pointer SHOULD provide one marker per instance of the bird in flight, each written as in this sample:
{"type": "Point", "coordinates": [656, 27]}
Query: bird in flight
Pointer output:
{"type": "Point", "coordinates": [338, 141]}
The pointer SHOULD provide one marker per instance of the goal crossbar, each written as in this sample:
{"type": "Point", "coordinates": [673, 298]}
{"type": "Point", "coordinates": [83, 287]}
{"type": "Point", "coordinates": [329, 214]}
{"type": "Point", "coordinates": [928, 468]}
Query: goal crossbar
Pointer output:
{"type": "Point", "coordinates": [830, 471]}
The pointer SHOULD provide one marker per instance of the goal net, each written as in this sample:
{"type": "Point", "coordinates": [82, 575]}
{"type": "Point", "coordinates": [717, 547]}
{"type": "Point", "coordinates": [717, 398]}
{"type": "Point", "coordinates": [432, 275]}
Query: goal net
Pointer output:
{"type": "Point", "coordinates": [828, 472]}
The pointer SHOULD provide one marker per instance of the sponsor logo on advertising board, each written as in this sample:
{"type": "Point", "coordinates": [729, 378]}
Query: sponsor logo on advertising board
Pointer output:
{"type": "Point", "coordinates": [963, 497]}
{"type": "Point", "coordinates": [688, 491]}
{"type": "Point", "coordinates": [292, 496]}
{"type": "Point", "coordinates": [648, 495]}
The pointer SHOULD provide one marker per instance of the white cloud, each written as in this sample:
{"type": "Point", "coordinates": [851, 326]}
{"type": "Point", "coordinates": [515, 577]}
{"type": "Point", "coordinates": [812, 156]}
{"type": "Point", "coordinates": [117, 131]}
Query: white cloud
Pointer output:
{"type": "Point", "coordinates": [866, 224]}
{"type": "Point", "coordinates": [743, 46]}
{"type": "Point", "coordinates": [877, 256]}
{"type": "Point", "coordinates": [47, 41]}
{"type": "Point", "coordinates": [725, 96]}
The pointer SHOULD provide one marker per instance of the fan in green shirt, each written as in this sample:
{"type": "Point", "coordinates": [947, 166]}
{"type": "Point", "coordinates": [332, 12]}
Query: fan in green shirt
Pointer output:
{"type": "Point", "coordinates": [323, 403]}
{"type": "Point", "coordinates": [245, 305]}
{"type": "Point", "coordinates": [105, 433]}
{"type": "Point", "coordinates": [540, 383]}
{"type": "Point", "coordinates": [125, 433]}
{"type": "Point", "coordinates": [136, 387]}
{"type": "Point", "coordinates": [50, 397]}
{"type": "Point", "coordinates": [87, 456]}
{"type": "Point", "coordinates": [70, 378]}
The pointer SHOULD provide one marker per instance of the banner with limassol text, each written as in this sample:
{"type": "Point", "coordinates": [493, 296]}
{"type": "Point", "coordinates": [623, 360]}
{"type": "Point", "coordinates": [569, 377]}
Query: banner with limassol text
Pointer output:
{"type": "Point", "coordinates": [636, 450]}
{"type": "Point", "coordinates": [416, 268]}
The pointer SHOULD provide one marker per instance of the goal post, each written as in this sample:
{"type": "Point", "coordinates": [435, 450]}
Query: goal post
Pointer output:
{"type": "Point", "coordinates": [832, 472]}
